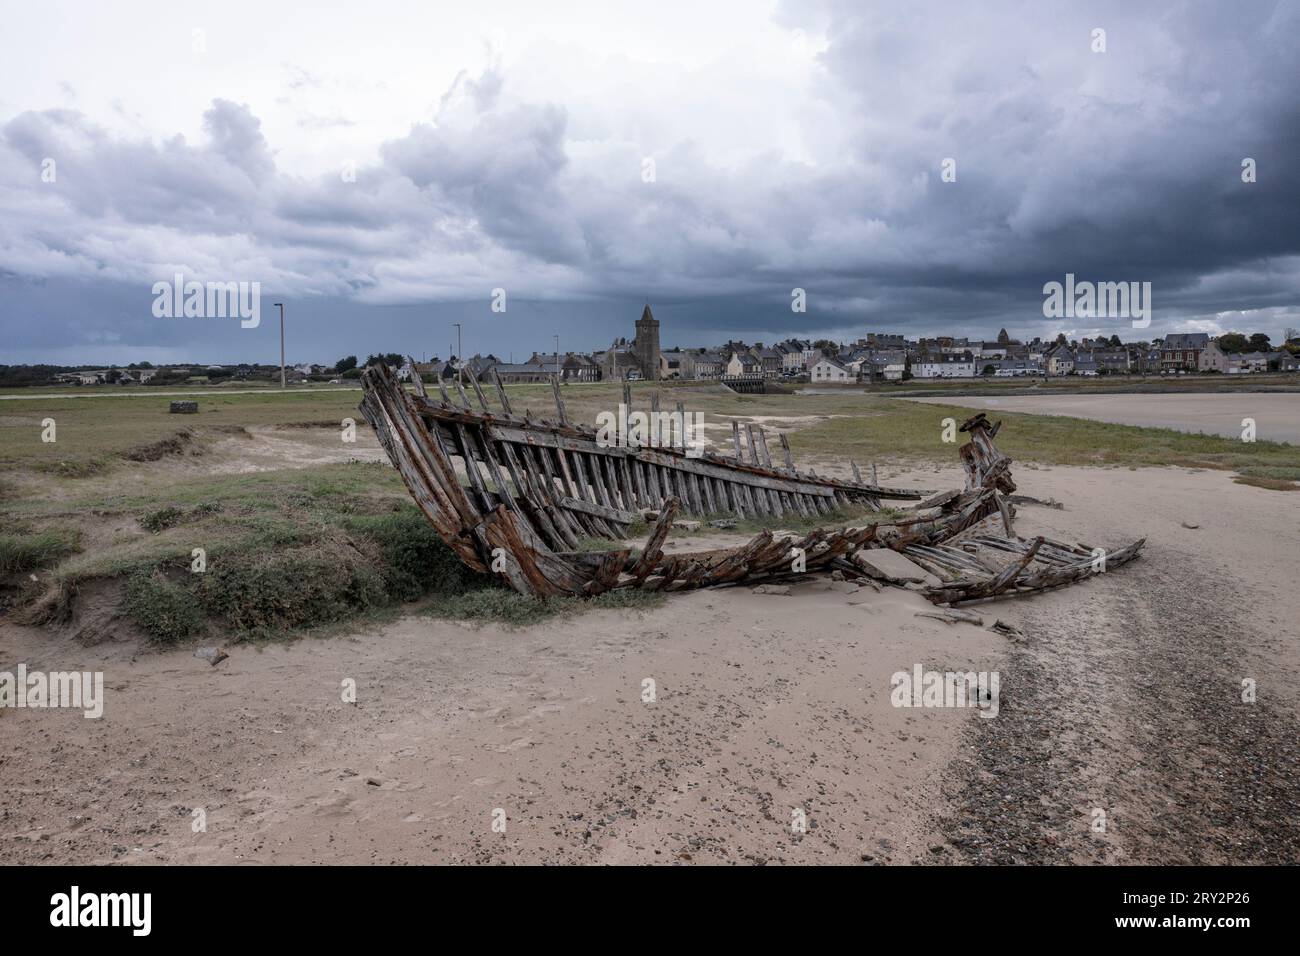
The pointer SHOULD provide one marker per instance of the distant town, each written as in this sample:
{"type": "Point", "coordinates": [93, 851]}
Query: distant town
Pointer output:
{"type": "Point", "coordinates": [877, 357]}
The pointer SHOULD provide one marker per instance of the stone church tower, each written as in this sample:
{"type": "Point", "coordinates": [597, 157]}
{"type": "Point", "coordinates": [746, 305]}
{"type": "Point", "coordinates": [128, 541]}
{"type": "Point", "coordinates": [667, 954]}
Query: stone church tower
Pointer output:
{"type": "Point", "coordinates": [646, 345]}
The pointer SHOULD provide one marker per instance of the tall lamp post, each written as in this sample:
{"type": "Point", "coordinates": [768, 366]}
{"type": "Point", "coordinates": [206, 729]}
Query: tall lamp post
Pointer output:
{"type": "Point", "coordinates": [558, 373]}
{"type": "Point", "coordinates": [280, 306]}
{"type": "Point", "coordinates": [460, 358]}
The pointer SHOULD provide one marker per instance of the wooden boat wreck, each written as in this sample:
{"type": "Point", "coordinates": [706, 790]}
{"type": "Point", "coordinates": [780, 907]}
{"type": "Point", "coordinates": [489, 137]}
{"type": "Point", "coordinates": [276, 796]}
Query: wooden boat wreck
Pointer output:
{"type": "Point", "coordinates": [517, 496]}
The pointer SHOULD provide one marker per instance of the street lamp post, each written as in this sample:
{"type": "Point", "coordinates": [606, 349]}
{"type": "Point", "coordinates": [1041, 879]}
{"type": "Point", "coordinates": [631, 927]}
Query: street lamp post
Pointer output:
{"type": "Point", "coordinates": [280, 306]}
{"type": "Point", "coordinates": [460, 357]}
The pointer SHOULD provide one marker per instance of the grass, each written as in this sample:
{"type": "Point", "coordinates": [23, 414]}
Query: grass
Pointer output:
{"type": "Point", "coordinates": [163, 609]}
{"type": "Point", "coordinates": [174, 444]}
{"type": "Point", "coordinates": [95, 433]}
{"type": "Point", "coordinates": [272, 592]}
{"type": "Point", "coordinates": [913, 430]}
{"type": "Point", "coordinates": [32, 552]}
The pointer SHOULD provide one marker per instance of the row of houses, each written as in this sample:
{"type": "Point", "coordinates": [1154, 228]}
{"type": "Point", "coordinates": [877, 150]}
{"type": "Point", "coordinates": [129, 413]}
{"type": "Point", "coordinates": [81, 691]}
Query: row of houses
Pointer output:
{"type": "Point", "coordinates": [1176, 354]}
{"type": "Point", "coordinates": [886, 359]}
{"type": "Point", "coordinates": [620, 361]}
{"type": "Point", "coordinates": [1204, 354]}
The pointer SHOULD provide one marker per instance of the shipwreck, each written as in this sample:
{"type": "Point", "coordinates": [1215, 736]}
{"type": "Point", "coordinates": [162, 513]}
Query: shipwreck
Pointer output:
{"type": "Point", "coordinates": [516, 495]}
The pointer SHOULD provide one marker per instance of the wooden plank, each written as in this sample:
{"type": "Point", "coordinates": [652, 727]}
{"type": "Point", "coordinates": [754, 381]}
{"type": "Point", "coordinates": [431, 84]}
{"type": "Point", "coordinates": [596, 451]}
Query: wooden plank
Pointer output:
{"type": "Point", "coordinates": [749, 474]}
{"type": "Point", "coordinates": [1006, 514]}
{"type": "Point", "coordinates": [569, 489]}
{"type": "Point", "coordinates": [494, 472]}
{"type": "Point", "coordinates": [719, 495]}
{"type": "Point", "coordinates": [594, 463]}
{"type": "Point", "coordinates": [478, 393]}
{"type": "Point", "coordinates": [568, 527]}
{"type": "Point", "coordinates": [654, 548]}
{"type": "Point", "coordinates": [460, 391]}
{"type": "Point", "coordinates": [639, 479]}
{"type": "Point", "coordinates": [559, 400]}
{"type": "Point", "coordinates": [415, 378]}
{"type": "Point", "coordinates": [785, 450]}
{"type": "Point", "coordinates": [595, 488]}
{"type": "Point", "coordinates": [697, 491]}
{"type": "Point", "coordinates": [555, 466]}
{"type": "Point", "coordinates": [471, 469]}
{"type": "Point", "coordinates": [657, 495]}
{"type": "Point", "coordinates": [568, 524]}
{"type": "Point", "coordinates": [736, 498]}
{"type": "Point", "coordinates": [599, 511]}
{"type": "Point", "coordinates": [501, 391]}
{"type": "Point", "coordinates": [735, 438]}
{"type": "Point", "coordinates": [630, 497]}
{"type": "Point", "coordinates": [610, 478]}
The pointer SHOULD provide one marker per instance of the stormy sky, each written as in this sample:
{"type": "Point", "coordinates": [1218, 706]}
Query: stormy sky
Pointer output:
{"type": "Point", "coordinates": [383, 167]}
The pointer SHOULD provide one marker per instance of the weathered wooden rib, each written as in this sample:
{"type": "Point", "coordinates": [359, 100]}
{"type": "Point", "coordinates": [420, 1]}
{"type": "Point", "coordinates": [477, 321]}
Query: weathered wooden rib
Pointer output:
{"type": "Point", "coordinates": [532, 490]}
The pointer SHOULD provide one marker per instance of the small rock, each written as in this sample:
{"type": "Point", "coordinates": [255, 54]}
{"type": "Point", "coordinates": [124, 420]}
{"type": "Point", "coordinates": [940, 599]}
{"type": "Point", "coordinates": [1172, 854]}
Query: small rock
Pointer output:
{"type": "Point", "coordinates": [885, 564]}
{"type": "Point", "coordinates": [213, 655]}
{"type": "Point", "coordinates": [1009, 630]}
{"type": "Point", "coordinates": [952, 616]}
{"type": "Point", "coordinates": [686, 525]}
{"type": "Point", "coordinates": [1190, 525]}
{"type": "Point", "coordinates": [781, 589]}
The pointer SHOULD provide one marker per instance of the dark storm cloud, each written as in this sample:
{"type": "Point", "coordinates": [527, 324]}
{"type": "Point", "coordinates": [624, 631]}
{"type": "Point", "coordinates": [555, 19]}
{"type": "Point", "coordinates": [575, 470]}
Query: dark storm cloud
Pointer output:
{"type": "Point", "coordinates": [1122, 165]}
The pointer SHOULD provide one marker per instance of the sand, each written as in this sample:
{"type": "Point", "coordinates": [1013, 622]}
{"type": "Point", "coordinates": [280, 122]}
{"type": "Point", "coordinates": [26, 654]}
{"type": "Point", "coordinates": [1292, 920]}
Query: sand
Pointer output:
{"type": "Point", "coordinates": [1124, 695]}
{"type": "Point", "coordinates": [1276, 414]}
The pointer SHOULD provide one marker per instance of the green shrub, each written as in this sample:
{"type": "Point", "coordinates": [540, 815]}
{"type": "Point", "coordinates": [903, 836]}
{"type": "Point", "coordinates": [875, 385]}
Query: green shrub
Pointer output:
{"type": "Point", "coordinates": [163, 609]}
{"type": "Point", "coordinates": [415, 560]}
{"type": "Point", "coordinates": [270, 591]}
{"type": "Point", "coordinates": [164, 518]}
{"type": "Point", "coordinates": [161, 519]}
{"type": "Point", "coordinates": [29, 552]}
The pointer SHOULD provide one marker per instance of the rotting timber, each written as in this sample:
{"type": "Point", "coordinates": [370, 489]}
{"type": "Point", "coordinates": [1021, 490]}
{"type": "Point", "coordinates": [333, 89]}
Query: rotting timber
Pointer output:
{"type": "Point", "coordinates": [518, 495]}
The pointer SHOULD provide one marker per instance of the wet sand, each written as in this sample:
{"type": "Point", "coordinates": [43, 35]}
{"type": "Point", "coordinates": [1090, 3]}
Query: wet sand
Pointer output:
{"type": "Point", "coordinates": [1276, 414]}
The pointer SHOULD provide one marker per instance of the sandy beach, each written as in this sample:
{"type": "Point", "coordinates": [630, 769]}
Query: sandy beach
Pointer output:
{"type": "Point", "coordinates": [1276, 414]}
{"type": "Point", "coordinates": [1124, 695]}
